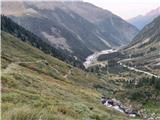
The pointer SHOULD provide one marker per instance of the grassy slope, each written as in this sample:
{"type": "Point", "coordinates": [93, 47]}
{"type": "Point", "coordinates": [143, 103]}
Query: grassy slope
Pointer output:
{"type": "Point", "coordinates": [47, 90]}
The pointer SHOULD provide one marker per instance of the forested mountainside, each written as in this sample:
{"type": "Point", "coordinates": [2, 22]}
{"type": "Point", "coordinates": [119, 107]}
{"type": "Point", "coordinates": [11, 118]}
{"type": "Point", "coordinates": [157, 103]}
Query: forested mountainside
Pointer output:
{"type": "Point", "coordinates": [71, 25]}
{"type": "Point", "coordinates": [13, 28]}
{"type": "Point", "coordinates": [144, 50]}
{"type": "Point", "coordinates": [142, 20]}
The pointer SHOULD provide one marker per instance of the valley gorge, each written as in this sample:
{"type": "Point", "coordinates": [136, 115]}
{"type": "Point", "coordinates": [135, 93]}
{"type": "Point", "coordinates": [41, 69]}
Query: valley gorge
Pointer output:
{"type": "Point", "coordinates": [73, 60]}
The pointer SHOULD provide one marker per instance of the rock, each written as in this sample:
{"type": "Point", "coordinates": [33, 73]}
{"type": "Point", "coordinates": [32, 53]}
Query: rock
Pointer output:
{"type": "Point", "coordinates": [117, 105]}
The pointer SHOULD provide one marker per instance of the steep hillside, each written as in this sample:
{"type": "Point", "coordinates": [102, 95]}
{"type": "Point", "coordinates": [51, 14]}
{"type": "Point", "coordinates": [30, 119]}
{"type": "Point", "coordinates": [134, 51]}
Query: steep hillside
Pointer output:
{"type": "Point", "coordinates": [117, 30]}
{"type": "Point", "coordinates": [140, 21]}
{"type": "Point", "coordinates": [11, 27]}
{"type": "Point", "coordinates": [144, 51]}
{"type": "Point", "coordinates": [71, 25]}
{"type": "Point", "coordinates": [38, 86]}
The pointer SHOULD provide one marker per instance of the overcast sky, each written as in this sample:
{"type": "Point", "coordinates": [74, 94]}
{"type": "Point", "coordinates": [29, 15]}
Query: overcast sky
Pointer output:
{"type": "Point", "coordinates": [123, 8]}
{"type": "Point", "coordinates": [127, 8]}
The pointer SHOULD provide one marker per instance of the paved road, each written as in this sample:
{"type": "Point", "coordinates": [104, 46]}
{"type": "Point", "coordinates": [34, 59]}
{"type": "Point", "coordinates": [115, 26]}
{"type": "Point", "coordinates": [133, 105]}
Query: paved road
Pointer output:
{"type": "Point", "coordinates": [137, 70]}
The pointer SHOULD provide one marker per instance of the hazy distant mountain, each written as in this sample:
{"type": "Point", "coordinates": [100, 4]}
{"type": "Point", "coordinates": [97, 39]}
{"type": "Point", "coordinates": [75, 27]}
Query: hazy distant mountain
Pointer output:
{"type": "Point", "coordinates": [145, 48]}
{"type": "Point", "coordinates": [140, 21]}
{"type": "Point", "coordinates": [77, 27]}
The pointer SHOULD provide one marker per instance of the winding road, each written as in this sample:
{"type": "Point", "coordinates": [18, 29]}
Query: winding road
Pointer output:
{"type": "Point", "coordinates": [137, 70]}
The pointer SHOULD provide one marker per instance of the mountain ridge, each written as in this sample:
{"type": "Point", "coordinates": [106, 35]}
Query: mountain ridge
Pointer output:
{"type": "Point", "coordinates": [71, 17]}
{"type": "Point", "coordinates": [142, 20]}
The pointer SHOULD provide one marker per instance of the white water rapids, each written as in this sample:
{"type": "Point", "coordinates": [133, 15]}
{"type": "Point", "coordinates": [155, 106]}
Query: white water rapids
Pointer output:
{"type": "Point", "coordinates": [93, 57]}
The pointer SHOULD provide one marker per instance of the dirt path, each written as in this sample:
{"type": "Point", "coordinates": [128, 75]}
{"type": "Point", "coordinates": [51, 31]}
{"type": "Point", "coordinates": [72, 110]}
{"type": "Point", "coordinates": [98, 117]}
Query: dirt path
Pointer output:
{"type": "Point", "coordinates": [66, 75]}
{"type": "Point", "coordinates": [141, 71]}
{"type": "Point", "coordinates": [9, 68]}
{"type": "Point", "coordinates": [14, 65]}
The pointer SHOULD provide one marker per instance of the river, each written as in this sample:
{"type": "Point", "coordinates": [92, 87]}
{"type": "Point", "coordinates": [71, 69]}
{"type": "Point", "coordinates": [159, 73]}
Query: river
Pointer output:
{"type": "Point", "coordinates": [93, 57]}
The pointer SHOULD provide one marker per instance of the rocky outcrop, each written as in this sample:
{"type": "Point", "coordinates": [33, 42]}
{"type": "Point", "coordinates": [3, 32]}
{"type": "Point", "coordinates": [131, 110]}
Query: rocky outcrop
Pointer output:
{"type": "Point", "coordinates": [117, 105]}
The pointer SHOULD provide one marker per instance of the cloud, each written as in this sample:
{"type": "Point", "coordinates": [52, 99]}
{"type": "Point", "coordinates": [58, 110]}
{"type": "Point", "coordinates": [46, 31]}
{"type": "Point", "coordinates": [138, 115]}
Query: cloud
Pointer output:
{"type": "Point", "coordinates": [127, 8]}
